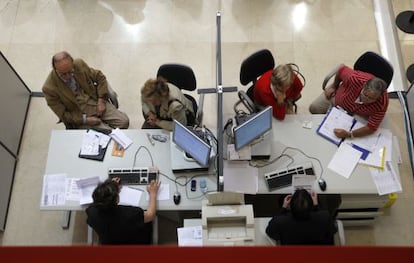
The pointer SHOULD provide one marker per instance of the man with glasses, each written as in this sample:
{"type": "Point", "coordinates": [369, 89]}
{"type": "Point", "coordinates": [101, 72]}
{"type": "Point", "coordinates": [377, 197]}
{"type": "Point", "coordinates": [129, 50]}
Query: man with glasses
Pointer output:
{"type": "Point", "coordinates": [358, 93]}
{"type": "Point", "coordinates": [78, 95]}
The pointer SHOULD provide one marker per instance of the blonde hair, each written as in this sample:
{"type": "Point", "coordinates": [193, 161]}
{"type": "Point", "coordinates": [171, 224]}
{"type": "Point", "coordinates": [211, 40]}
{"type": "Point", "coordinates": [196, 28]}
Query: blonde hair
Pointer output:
{"type": "Point", "coordinates": [282, 76]}
{"type": "Point", "coordinates": [155, 88]}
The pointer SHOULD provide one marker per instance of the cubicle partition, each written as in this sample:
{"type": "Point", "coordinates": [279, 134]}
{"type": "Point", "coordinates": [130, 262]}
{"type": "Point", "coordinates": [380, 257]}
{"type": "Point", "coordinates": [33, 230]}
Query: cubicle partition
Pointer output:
{"type": "Point", "coordinates": [14, 103]}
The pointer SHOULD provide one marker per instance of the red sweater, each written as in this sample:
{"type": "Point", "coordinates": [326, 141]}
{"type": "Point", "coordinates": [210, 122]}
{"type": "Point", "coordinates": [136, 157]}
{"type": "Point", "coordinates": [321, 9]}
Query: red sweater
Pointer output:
{"type": "Point", "coordinates": [263, 94]}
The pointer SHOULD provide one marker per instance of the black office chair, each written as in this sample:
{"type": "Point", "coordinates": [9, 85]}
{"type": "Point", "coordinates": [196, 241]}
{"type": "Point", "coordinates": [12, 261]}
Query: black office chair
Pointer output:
{"type": "Point", "coordinates": [254, 66]}
{"type": "Point", "coordinates": [369, 62]}
{"type": "Point", "coordinates": [251, 68]}
{"type": "Point", "coordinates": [183, 77]}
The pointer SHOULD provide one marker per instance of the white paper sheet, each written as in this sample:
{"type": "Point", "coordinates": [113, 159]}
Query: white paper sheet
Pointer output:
{"type": "Point", "coordinates": [72, 189]}
{"type": "Point", "coordinates": [90, 143]}
{"type": "Point", "coordinates": [130, 196]}
{"type": "Point", "coordinates": [344, 160]}
{"type": "Point", "coordinates": [190, 236]}
{"type": "Point", "coordinates": [86, 187]}
{"type": "Point", "coordinates": [53, 192]}
{"type": "Point", "coordinates": [240, 177]}
{"type": "Point", "coordinates": [335, 118]}
{"type": "Point", "coordinates": [119, 136]}
{"type": "Point", "coordinates": [163, 193]}
{"type": "Point", "coordinates": [303, 182]}
{"type": "Point", "coordinates": [386, 180]}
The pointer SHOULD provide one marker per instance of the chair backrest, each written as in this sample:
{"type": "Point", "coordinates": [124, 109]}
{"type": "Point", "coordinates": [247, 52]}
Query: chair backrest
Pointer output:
{"type": "Point", "coordinates": [376, 65]}
{"type": "Point", "coordinates": [180, 75]}
{"type": "Point", "coordinates": [255, 65]}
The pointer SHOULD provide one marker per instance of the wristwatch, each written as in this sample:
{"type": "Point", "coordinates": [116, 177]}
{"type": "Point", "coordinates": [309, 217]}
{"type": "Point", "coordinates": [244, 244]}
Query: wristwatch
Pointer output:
{"type": "Point", "coordinates": [84, 118]}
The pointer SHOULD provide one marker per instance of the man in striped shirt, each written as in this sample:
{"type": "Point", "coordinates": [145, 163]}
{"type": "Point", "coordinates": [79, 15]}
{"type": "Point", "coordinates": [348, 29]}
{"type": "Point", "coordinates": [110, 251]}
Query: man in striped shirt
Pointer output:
{"type": "Point", "coordinates": [358, 93]}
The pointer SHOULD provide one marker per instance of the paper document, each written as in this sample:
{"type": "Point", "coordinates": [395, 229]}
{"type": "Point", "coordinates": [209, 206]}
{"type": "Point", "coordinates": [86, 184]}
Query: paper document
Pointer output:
{"type": "Point", "coordinates": [387, 181]}
{"type": "Point", "coordinates": [72, 189]}
{"type": "Point", "coordinates": [53, 192]}
{"type": "Point", "coordinates": [163, 193]}
{"type": "Point", "coordinates": [344, 160]}
{"type": "Point", "coordinates": [190, 236]}
{"type": "Point", "coordinates": [119, 136]}
{"type": "Point", "coordinates": [335, 118]}
{"type": "Point", "coordinates": [381, 148]}
{"type": "Point", "coordinates": [130, 195]}
{"type": "Point", "coordinates": [86, 188]}
{"type": "Point", "coordinates": [303, 182]}
{"type": "Point", "coordinates": [90, 143]}
{"type": "Point", "coordinates": [240, 177]}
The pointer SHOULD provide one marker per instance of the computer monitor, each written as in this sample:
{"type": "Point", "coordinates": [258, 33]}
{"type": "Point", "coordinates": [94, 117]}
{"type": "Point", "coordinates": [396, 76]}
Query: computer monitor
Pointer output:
{"type": "Point", "coordinates": [253, 128]}
{"type": "Point", "coordinates": [190, 143]}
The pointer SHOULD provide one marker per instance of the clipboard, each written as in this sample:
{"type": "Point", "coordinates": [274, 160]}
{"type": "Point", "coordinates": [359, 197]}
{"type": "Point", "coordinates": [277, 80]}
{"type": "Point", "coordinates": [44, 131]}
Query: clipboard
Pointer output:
{"type": "Point", "coordinates": [102, 150]}
{"type": "Point", "coordinates": [335, 118]}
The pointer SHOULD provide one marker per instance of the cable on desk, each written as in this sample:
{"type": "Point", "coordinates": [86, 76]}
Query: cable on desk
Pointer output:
{"type": "Point", "coordinates": [261, 164]}
{"type": "Point", "coordinates": [310, 157]}
{"type": "Point", "coordinates": [149, 153]}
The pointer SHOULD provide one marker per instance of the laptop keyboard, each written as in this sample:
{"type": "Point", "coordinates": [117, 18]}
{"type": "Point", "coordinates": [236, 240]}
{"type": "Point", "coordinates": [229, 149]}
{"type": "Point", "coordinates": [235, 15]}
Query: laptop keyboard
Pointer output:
{"type": "Point", "coordinates": [200, 134]}
{"type": "Point", "coordinates": [283, 177]}
{"type": "Point", "coordinates": [135, 175]}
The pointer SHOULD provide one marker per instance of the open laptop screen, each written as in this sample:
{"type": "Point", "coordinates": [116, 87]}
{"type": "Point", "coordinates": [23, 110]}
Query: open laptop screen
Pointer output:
{"type": "Point", "coordinates": [253, 128]}
{"type": "Point", "coordinates": [191, 143]}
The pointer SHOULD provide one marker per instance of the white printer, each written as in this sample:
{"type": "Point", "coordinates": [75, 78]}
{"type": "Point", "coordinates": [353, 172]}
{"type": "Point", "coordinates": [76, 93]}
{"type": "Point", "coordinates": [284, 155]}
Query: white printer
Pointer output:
{"type": "Point", "coordinates": [226, 220]}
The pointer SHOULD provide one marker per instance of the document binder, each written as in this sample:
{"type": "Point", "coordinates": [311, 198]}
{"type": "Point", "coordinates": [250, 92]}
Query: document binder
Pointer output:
{"type": "Point", "coordinates": [102, 149]}
{"type": "Point", "coordinates": [335, 118]}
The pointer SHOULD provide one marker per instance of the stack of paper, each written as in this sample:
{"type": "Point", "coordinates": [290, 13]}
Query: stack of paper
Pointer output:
{"type": "Point", "coordinates": [121, 138]}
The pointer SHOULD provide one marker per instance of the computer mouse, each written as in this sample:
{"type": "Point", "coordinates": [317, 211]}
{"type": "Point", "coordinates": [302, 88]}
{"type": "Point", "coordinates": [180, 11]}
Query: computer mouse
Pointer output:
{"type": "Point", "coordinates": [322, 184]}
{"type": "Point", "coordinates": [177, 198]}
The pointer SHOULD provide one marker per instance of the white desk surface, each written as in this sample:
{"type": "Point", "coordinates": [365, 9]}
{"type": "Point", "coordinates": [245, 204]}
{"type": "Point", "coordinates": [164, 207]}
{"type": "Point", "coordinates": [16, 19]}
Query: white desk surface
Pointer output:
{"type": "Point", "coordinates": [65, 145]}
{"type": "Point", "coordinates": [63, 157]}
{"type": "Point", "coordinates": [290, 132]}
{"type": "Point", "coordinates": [260, 224]}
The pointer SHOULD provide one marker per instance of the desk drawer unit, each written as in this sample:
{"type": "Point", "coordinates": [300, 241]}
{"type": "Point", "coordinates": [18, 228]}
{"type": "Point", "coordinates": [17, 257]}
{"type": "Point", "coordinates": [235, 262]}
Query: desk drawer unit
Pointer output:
{"type": "Point", "coordinates": [361, 210]}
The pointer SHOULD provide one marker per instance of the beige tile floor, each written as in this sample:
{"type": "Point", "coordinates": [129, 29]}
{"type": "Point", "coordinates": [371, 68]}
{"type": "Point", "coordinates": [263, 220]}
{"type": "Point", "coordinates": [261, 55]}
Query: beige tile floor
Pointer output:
{"type": "Point", "coordinates": [128, 40]}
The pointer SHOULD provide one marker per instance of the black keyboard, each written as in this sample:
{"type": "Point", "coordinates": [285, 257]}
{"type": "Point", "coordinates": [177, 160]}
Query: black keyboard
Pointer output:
{"type": "Point", "coordinates": [283, 177]}
{"type": "Point", "coordinates": [135, 175]}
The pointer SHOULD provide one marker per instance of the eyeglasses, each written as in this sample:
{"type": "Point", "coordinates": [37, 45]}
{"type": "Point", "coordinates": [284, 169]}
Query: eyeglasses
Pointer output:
{"type": "Point", "coordinates": [366, 95]}
{"type": "Point", "coordinates": [66, 74]}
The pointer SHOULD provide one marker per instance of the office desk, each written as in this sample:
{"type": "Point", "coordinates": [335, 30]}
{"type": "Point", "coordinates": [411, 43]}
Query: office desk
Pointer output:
{"type": "Point", "coordinates": [63, 157]}
{"type": "Point", "coordinates": [360, 198]}
{"type": "Point", "coordinates": [361, 204]}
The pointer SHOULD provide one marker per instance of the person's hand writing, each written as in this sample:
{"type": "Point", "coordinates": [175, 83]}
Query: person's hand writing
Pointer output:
{"type": "Point", "coordinates": [314, 196]}
{"type": "Point", "coordinates": [341, 133]}
{"type": "Point", "coordinates": [100, 107]}
{"type": "Point", "coordinates": [153, 187]}
{"type": "Point", "coordinates": [286, 201]}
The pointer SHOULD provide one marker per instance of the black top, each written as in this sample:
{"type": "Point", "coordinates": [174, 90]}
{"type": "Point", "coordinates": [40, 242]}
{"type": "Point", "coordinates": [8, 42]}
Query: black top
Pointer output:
{"type": "Point", "coordinates": [120, 225]}
{"type": "Point", "coordinates": [319, 229]}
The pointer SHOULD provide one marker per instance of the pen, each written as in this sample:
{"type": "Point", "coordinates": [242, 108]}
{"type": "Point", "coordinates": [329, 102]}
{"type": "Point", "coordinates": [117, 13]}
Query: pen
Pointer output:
{"type": "Point", "coordinates": [378, 137]}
